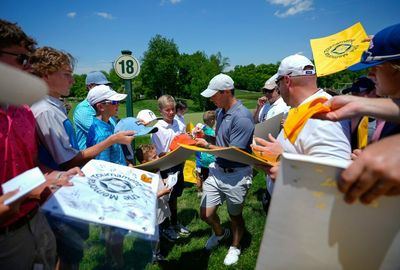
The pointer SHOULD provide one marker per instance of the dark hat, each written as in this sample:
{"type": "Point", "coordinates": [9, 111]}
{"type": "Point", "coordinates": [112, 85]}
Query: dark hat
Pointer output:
{"type": "Point", "coordinates": [362, 84]}
{"type": "Point", "coordinates": [384, 46]}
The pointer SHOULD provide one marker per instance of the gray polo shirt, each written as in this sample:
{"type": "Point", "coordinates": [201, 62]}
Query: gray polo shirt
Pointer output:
{"type": "Point", "coordinates": [234, 128]}
{"type": "Point", "coordinates": [58, 143]}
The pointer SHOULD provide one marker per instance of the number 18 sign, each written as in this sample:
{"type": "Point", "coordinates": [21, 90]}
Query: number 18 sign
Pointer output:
{"type": "Point", "coordinates": [127, 67]}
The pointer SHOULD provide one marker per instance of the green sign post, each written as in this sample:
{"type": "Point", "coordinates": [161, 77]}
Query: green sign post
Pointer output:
{"type": "Point", "coordinates": [127, 67]}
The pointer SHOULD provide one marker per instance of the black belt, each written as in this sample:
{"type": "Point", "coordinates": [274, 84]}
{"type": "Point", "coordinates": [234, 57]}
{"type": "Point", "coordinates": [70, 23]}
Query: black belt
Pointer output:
{"type": "Point", "coordinates": [19, 223]}
{"type": "Point", "coordinates": [229, 170]}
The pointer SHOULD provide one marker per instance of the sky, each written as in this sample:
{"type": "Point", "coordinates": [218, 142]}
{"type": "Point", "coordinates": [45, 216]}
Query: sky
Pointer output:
{"type": "Point", "coordinates": [245, 31]}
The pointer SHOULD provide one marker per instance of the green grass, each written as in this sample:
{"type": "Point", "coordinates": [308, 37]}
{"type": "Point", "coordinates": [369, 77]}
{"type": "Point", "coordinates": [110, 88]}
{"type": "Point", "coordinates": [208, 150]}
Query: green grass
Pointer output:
{"type": "Point", "coordinates": [189, 252]}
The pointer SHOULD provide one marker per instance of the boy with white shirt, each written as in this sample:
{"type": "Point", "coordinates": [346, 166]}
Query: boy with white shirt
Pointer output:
{"type": "Point", "coordinates": [168, 128]}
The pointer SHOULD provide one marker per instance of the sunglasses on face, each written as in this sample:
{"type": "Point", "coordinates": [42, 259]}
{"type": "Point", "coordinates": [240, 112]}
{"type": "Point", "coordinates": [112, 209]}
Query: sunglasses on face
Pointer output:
{"type": "Point", "coordinates": [22, 58]}
{"type": "Point", "coordinates": [268, 91]}
{"type": "Point", "coordinates": [112, 102]}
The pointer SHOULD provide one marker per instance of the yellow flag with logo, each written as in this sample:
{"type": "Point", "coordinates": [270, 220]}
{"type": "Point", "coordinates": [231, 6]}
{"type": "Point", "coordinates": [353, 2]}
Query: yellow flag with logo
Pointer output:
{"type": "Point", "coordinates": [339, 51]}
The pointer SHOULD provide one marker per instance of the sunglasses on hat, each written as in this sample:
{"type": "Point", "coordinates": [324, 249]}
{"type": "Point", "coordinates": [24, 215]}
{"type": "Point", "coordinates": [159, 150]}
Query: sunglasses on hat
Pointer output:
{"type": "Point", "coordinates": [112, 102]}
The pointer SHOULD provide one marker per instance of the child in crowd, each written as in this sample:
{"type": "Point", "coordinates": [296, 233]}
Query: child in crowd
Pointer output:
{"type": "Point", "coordinates": [146, 153]}
{"type": "Point", "coordinates": [105, 102]}
{"type": "Point", "coordinates": [205, 159]}
{"type": "Point", "coordinates": [168, 128]}
{"type": "Point", "coordinates": [181, 109]}
{"type": "Point", "coordinates": [58, 146]}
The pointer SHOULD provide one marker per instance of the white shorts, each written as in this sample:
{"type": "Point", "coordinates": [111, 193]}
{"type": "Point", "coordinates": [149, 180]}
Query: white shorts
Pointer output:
{"type": "Point", "coordinates": [229, 186]}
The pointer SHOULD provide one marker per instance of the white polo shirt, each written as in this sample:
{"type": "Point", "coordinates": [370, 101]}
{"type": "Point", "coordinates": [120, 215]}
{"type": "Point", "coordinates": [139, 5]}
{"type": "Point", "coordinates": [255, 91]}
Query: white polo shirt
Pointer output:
{"type": "Point", "coordinates": [166, 132]}
{"type": "Point", "coordinates": [279, 106]}
{"type": "Point", "coordinates": [318, 138]}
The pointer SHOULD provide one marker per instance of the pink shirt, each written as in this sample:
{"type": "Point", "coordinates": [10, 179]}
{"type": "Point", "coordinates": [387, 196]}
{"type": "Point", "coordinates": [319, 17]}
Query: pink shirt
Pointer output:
{"type": "Point", "coordinates": [18, 149]}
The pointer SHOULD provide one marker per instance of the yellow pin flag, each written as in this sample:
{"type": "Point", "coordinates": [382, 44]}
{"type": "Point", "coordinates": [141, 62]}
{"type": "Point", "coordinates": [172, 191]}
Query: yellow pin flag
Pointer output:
{"type": "Point", "coordinates": [337, 52]}
{"type": "Point", "coordinates": [362, 133]}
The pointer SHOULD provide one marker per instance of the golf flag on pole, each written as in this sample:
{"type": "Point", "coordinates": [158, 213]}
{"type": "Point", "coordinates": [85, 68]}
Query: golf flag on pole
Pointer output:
{"type": "Point", "coordinates": [339, 51]}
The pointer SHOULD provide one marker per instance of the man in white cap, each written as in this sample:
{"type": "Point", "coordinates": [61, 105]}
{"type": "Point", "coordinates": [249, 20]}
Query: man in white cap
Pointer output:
{"type": "Point", "coordinates": [277, 104]}
{"type": "Point", "coordinates": [297, 84]}
{"type": "Point", "coordinates": [271, 103]}
{"type": "Point", "coordinates": [84, 113]}
{"type": "Point", "coordinates": [263, 102]}
{"type": "Point", "coordinates": [274, 106]}
{"type": "Point", "coordinates": [228, 180]}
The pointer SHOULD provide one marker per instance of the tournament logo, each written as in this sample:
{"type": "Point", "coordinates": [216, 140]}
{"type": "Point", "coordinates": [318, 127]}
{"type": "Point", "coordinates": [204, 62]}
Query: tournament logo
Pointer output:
{"type": "Point", "coordinates": [115, 185]}
{"type": "Point", "coordinates": [340, 49]}
{"type": "Point", "coordinates": [112, 184]}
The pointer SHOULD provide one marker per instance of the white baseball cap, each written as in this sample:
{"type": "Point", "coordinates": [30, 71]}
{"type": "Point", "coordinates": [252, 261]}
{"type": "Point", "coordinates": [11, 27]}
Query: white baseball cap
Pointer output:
{"type": "Point", "coordinates": [103, 92]}
{"type": "Point", "coordinates": [270, 84]}
{"type": "Point", "coordinates": [147, 116]}
{"type": "Point", "coordinates": [218, 83]}
{"type": "Point", "coordinates": [294, 65]}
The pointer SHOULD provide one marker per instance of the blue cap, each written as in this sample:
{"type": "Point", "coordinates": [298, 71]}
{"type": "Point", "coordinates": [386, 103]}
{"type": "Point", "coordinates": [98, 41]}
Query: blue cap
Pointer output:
{"type": "Point", "coordinates": [385, 46]}
{"type": "Point", "coordinates": [130, 123]}
{"type": "Point", "coordinates": [362, 84]}
{"type": "Point", "coordinates": [96, 77]}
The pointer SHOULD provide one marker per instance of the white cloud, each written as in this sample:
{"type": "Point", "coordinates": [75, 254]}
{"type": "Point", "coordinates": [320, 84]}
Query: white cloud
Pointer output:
{"type": "Point", "coordinates": [105, 15]}
{"type": "Point", "coordinates": [71, 14]}
{"type": "Point", "coordinates": [173, 2]}
{"type": "Point", "coordinates": [293, 7]}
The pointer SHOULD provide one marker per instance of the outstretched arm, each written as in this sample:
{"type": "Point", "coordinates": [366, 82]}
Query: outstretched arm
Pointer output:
{"type": "Point", "coordinates": [123, 137]}
{"type": "Point", "coordinates": [346, 106]}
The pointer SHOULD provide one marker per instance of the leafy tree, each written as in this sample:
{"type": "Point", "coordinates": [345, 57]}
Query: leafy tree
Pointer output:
{"type": "Point", "coordinates": [159, 70]}
{"type": "Point", "coordinates": [339, 80]}
{"type": "Point", "coordinates": [78, 89]}
{"type": "Point", "coordinates": [252, 77]}
{"type": "Point", "coordinates": [195, 71]}
{"type": "Point", "coordinates": [117, 82]}
{"type": "Point", "coordinates": [223, 62]}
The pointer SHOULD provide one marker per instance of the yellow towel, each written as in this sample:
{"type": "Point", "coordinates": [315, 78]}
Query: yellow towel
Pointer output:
{"type": "Point", "coordinates": [298, 117]}
{"type": "Point", "coordinates": [189, 127]}
{"type": "Point", "coordinates": [362, 133]}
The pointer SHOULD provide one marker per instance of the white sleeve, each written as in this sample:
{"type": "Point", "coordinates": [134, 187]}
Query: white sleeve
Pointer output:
{"type": "Point", "coordinates": [327, 140]}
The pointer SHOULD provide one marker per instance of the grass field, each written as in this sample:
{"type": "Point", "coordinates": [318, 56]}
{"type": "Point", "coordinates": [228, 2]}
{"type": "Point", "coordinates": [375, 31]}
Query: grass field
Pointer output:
{"type": "Point", "coordinates": [188, 253]}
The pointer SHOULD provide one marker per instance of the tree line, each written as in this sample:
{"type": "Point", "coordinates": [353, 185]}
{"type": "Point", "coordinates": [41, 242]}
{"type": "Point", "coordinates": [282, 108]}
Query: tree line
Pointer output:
{"type": "Point", "coordinates": [164, 70]}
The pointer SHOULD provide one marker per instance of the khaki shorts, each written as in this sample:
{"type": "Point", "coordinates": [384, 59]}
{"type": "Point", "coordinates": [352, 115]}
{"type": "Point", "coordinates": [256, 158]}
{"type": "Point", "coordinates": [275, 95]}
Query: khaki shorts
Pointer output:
{"type": "Point", "coordinates": [229, 186]}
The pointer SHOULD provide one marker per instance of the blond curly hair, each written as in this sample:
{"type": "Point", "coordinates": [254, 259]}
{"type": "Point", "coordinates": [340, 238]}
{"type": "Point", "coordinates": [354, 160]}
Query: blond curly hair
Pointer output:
{"type": "Point", "coordinates": [47, 60]}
